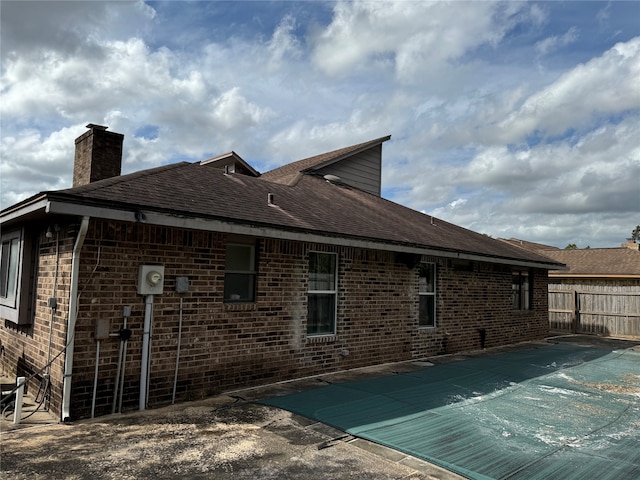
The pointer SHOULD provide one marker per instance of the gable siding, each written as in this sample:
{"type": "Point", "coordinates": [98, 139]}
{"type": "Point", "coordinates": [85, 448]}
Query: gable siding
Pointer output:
{"type": "Point", "coordinates": [362, 171]}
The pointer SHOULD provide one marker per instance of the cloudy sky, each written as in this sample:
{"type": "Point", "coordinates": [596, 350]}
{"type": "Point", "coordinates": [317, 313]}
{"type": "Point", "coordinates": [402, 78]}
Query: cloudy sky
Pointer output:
{"type": "Point", "coordinates": [513, 119]}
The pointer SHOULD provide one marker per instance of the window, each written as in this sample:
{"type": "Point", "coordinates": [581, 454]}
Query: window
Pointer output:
{"type": "Point", "coordinates": [427, 293]}
{"type": "Point", "coordinates": [521, 291]}
{"type": "Point", "coordinates": [240, 273]}
{"type": "Point", "coordinates": [322, 294]}
{"type": "Point", "coordinates": [16, 265]}
{"type": "Point", "coordinates": [9, 268]}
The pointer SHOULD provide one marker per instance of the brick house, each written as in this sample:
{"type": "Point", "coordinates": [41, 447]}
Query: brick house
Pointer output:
{"type": "Point", "coordinates": [187, 280]}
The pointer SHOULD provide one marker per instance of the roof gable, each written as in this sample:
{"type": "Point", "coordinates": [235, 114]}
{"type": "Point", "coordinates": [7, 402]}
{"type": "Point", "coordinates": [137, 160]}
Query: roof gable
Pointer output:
{"type": "Point", "coordinates": [361, 170]}
{"type": "Point", "coordinates": [359, 166]}
{"type": "Point", "coordinates": [231, 162]}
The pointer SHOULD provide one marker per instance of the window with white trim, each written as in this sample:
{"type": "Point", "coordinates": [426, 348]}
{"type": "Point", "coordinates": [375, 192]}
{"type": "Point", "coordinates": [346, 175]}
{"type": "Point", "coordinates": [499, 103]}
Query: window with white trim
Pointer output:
{"type": "Point", "coordinates": [521, 290]}
{"type": "Point", "coordinates": [427, 294]}
{"type": "Point", "coordinates": [322, 294]}
{"type": "Point", "coordinates": [16, 265]}
{"type": "Point", "coordinates": [10, 268]}
{"type": "Point", "coordinates": [240, 273]}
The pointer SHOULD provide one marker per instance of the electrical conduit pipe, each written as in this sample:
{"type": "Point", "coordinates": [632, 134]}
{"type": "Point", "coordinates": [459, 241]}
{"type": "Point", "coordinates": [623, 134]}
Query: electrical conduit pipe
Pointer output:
{"type": "Point", "coordinates": [95, 381]}
{"type": "Point", "coordinates": [121, 354]}
{"type": "Point", "coordinates": [71, 322]}
{"type": "Point", "coordinates": [175, 376]}
{"type": "Point", "coordinates": [124, 360]}
{"type": "Point", "coordinates": [144, 362]}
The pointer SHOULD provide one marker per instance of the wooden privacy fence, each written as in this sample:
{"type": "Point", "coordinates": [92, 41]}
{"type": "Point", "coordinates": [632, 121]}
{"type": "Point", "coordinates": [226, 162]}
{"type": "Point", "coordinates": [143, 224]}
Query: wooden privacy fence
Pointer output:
{"type": "Point", "coordinates": [600, 312]}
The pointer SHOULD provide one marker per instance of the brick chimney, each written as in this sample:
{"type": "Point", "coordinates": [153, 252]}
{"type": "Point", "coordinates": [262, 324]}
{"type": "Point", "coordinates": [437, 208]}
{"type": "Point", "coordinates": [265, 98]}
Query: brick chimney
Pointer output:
{"type": "Point", "coordinates": [98, 155]}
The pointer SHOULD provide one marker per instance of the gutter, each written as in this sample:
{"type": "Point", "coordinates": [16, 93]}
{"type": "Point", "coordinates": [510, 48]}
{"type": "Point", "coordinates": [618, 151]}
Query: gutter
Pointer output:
{"type": "Point", "coordinates": [71, 322]}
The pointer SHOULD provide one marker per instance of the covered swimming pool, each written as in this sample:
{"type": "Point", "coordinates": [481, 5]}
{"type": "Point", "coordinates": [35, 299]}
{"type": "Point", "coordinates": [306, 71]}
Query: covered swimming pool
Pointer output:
{"type": "Point", "coordinates": [558, 411]}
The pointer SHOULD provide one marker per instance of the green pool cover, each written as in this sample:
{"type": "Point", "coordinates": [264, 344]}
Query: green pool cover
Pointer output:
{"type": "Point", "coordinates": [555, 412]}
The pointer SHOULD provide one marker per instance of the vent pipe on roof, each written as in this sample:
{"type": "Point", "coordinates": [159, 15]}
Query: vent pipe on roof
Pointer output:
{"type": "Point", "coordinates": [270, 199]}
{"type": "Point", "coordinates": [332, 179]}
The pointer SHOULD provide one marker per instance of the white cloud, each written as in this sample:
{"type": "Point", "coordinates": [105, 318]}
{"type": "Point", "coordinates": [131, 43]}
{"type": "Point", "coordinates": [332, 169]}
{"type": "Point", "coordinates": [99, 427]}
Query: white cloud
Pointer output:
{"type": "Point", "coordinates": [595, 178]}
{"type": "Point", "coordinates": [480, 134]}
{"type": "Point", "coordinates": [421, 39]}
{"type": "Point", "coordinates": [36, 163]}
{"type": "Point", "coordinates": [557, 41]}
{"type": "Point", "coordinates": [284, 45]}
{"type": "Point", "coordinates": [68, 28]}
{"type": "Point", "coordinates": [231, 110]}
{"type": "Point", "coordinates": [606, 85]}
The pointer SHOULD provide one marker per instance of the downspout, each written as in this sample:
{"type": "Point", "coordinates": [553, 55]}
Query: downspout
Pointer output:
{"type": "Point", "coordinates": [71, 323]}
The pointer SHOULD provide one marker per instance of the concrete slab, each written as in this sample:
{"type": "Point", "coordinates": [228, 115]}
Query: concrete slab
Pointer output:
{"type": "Point", "coordinates": [223, 437]}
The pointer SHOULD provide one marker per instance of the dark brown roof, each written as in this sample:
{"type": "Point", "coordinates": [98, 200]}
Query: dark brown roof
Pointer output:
{"type": "Point", "coordinates": [588, 262]}
{"type": "Point", "coordinates": [604, 262]}
{"type": "Point", "coordinates": [287, 174]}
{"type": "Point", "coordinates": [534, 247]}
{"type": "Point", "coordinates": [311, 205]}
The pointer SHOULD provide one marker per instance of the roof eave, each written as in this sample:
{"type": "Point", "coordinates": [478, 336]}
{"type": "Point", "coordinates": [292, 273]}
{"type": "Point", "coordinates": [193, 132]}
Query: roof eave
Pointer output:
{"type": "Point", "coordinates": [132, 213]}
{"type": "Point", "coordinates": [33, 205]}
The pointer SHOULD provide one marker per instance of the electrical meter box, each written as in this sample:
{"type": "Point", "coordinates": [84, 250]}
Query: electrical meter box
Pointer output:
{"type": "Point", "coordinates": [151, 279]}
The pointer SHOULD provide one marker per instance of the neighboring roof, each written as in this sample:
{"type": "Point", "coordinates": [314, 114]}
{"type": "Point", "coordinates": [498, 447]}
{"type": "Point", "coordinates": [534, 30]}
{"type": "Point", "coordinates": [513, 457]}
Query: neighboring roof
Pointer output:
{"type": "Point", "coordinates": [192, 193]}
{"type": "Point", "coordinates": [290, 172]}
{"type": "Point", "coordinates": [597, 262]}
{"type": "Point", "coordinates": [620, 262]}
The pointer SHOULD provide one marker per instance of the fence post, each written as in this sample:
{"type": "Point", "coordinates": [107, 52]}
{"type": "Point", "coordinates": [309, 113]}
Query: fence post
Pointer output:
{"type": "Point", "coordinates": [575, 321]}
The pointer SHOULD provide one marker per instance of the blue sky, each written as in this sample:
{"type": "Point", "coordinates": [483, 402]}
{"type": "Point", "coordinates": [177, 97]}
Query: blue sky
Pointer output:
{"type": "Point", "coordinates": [514, 119]}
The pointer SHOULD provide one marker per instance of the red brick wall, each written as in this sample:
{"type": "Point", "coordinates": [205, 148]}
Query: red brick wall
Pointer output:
{"type": "Point", "coordinates": [481, 299]}
{"type": "Point", "coordinates": [229, 346]}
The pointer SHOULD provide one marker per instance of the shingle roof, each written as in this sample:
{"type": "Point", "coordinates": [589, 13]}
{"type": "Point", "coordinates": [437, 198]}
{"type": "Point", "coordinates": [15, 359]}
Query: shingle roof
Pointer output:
{"type": "Point", "coordinates": [620, 261]}
{"type": "Point", "coordinates": [311, 205]}
{"type": "Point", "coordinates": [535, 247]}
{"type": "Point", "coordinates": [597, 262]}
